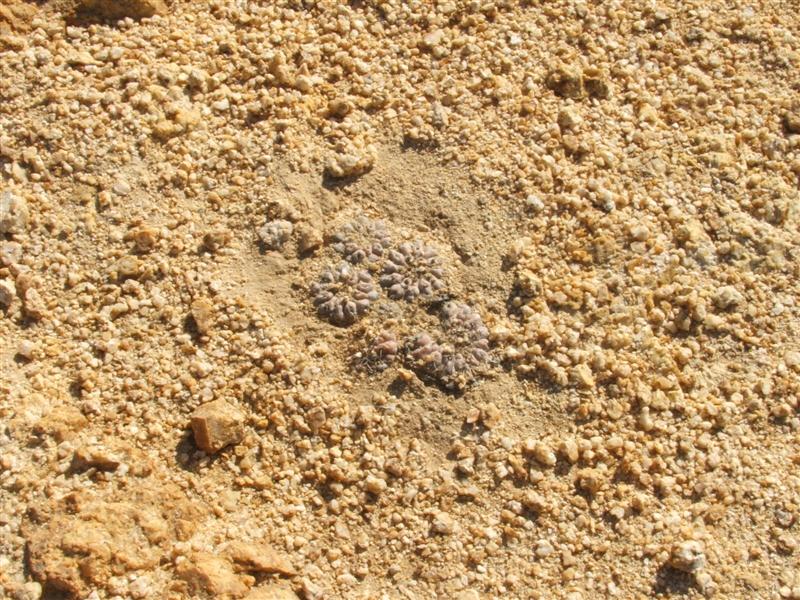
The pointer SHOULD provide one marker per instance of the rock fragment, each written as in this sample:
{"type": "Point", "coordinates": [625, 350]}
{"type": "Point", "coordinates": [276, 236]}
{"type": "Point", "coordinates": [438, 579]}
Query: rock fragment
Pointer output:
{"type": "Point", "coordinates": [10, 253]}
{"type": "Point", "coordinates": [281, 70]}
{"type": "Point", "coordinates": [309, 238]}
{"type": "Point", "coordinates": [121, 188]}
{"type": "Point", "coordinates": [145, 238]}
{"type": "Point", "coordinates": [568, 119]}
{"type": "Point", "coordinates": [202, 315]}
{"type": "Point", "coordinates": [595, 82]}
{"type": "Point", "coordinates": [15, 16]}
{"type": "Point", "coordinates": [589, 481]}
{"type": "Point", "coordinates": [94, 457]}
{"type": "Point", "coordinates": [581, 375]}
{"type": "Point", "coordinates": [62, 423]}
{"type": "Point", "coordinates": [208, 575]}
{"type": "Point", "coordinates": [81, 59]}
{"type": "Point", "coordinates": [432, 39]}
{"type": "Point", "coordinates": [13, 213]}
{"type": "Point", "coordinates": [216, 239]}
{"type": "Point", "coordinates": [79, 542]}
{"type": "Point", "coordinates": [127, 267]}
{"type": "Point", "coordinates": [350, 163]}
{"type": "Point", "coordinates": [312, 591]}
{"type": "Point", "coordinates": [792, 360]}
{"type": "Point", "coordinates": [569, 81]}
{"type": "Point", "coordinates": [180, 121]}
{"type": "Point", "coordinates": [566, 82]}
{"type": "Point", "coordinates": [217, 424]}
{"type": "Point", "coordinates": [30, 590]}
{"type": "Point", "coordinates": [339, 108]}
{"type": "Point", "coordinates": [728, 297]}
{"type": "Point", "coordinates": [490, 415]}
{"type": "Point", "coordinates": [443, 523]}
{"type": "Point", "coordinates": [569, 450]}
{"type": "Point", "coordinates": [34, 305]}
{"type": "Point", "coordinates": [688, 556]}
{"type": "Point", "coordinates": [543, 454]}
{"type": "Point", "coordinates": [8, 292]}
{"type": "Point", "coordinates": [647, 113]}
{"type": "Point", "coordinates": [374, 485]}
{"type": "Point", "coordinates": [259, 558]}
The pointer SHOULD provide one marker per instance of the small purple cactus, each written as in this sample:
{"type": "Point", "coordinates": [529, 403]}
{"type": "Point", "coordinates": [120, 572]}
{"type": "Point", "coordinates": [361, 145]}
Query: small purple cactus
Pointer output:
{"type": "Point", "coordinates": [413, 270]}
{"type": "Point", "coordinates": [462, 347]}
{"type": "Point", "coordinates": [343, 294]}
{"type": "Point", "coordinates": [362, 241]}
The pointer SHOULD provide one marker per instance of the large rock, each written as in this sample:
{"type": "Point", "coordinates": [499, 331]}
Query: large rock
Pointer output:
{"type": "Point", "coordinates": [216, 425]}
{"type": "Point", "coordinates": [80, 542]}
{"type": "Point", "coordinates": [211, 577]}
{"type": "Point", "coordinates": [120, 9]}
{"type": "Point", "coordinates": [110, 455]}
{"type": "Point", "coordinates": [259, 558]}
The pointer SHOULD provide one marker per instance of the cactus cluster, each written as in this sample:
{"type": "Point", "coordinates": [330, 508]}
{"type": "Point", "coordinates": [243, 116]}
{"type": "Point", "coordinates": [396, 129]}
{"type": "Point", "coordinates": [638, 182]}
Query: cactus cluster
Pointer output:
{"type": "Point", "coordinates": [362, 241]}
{"type": "Point", "coordinates": [464, 327]}
{"type": "Point", "coordinates": [343, 294]}
{"type": "Point", "coordinates": [274, 234]}
{"type": "Point", "coordinates": [452, 357]}
{"type": "Point", "coordinates": [412, 270]}
{"type": "Point", "coordinates": [383, 350]}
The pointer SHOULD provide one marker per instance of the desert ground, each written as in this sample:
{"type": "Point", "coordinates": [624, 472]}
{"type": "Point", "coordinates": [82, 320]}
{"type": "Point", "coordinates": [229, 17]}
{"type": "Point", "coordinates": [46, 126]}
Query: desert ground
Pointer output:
{"type": "Point", "coordinates": [453, 299]}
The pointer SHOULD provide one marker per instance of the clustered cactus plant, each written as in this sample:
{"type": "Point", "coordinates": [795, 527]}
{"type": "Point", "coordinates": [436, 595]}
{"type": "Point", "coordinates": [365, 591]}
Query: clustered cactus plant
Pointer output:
{"type": "Point", "coordinates": [453, 358]}
{"type": "Point", "coordinates": [452, 355]}
{"type": "Point", "coordinates": [413, 270]}
{"type": "Point", "coordinates": [381, 352]}
{"type": "Point", "coordinates": [274, 234]}
{"type": "Point", "coordinates": [343, 294]}
{"type": "Point", "coordinates": [464, 327]}
{"type": "Point", "coordinates": [362, 241]}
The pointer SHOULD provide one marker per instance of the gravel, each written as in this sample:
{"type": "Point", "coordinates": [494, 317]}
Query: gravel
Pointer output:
{"type": "Point", "coordinates": [607, 194]}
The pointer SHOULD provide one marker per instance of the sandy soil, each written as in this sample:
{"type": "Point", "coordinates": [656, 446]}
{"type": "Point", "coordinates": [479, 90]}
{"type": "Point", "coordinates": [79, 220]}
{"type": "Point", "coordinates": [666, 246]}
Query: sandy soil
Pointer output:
{"type": "Point", "coordinates": [393, 299]}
